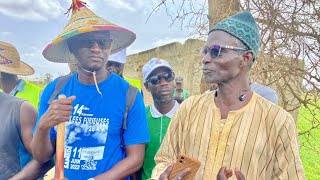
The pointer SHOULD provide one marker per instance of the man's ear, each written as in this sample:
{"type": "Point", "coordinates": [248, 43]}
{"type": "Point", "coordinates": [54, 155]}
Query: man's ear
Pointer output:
{"type": "Point", "coordinates": [146, 85]}
{"type": "Point", "coordinates": [247, 58]}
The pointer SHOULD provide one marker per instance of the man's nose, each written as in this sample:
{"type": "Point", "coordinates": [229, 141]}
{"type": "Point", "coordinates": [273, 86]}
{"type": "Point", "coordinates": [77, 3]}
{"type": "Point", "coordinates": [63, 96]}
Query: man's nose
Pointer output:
{"type": "Point", "coordinates": [95, 47]}
{"type": "Point", "coordinates": [206, 59]}
{"type": "Point", "coordinates": [163, 82]}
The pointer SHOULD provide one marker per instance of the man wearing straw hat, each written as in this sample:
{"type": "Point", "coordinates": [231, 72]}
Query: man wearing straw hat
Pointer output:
{"type": "Point", "coordinates": [18, 117]}
{"type": "Point", "coordinates": [95, 104]}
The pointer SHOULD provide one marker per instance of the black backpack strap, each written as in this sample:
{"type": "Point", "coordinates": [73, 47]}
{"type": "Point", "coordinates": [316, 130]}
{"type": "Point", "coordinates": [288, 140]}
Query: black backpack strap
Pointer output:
{"type": "Point", "coordinates": [60, 84]}
{"type": "Point", "coordinates": [130, 98]}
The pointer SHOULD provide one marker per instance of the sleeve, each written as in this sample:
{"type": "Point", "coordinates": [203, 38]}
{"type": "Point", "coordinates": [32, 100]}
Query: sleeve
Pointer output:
{"type": "Point", "coordinates": [43, 103]}
{"type": "Point", "coordinates": [137, 127]}
{"type": "Point", "coordinates": [172, 144]}
{"type": "Point", "coordinates": [287, 159]}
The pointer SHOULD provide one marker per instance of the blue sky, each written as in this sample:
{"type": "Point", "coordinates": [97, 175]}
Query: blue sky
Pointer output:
{"type": "Point", "coordinates": [31, 25]}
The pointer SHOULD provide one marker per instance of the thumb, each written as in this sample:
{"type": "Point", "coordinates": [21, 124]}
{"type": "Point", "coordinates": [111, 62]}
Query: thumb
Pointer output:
{"type": "Point", "coordinates": [239, 174]}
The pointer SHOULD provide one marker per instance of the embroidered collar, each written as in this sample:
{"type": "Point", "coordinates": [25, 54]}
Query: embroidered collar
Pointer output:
{"type": "Point", "coordinates": [156, 114]}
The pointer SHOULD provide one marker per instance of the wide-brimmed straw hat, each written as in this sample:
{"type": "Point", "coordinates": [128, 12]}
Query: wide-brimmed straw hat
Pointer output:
{"type": "Point", "coordinates": [10, 61]}
{"type": "Point", "coordinates": [83, 20]}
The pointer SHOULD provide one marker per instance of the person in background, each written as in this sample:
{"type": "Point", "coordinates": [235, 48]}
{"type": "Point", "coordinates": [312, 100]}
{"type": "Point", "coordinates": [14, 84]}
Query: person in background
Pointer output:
{"type": "Point", "coordinates": [116, 64]}
{"type": "Point", "coordinates": [232, 127]}
{"type": "Point", "coordinates": [158, 79]}
{"type": "Point", "coordinates": [265, 91]}
{"type": "Point", "coordinates": [179, 93]}
{"type": "Point", "coordinates": [16, 130]}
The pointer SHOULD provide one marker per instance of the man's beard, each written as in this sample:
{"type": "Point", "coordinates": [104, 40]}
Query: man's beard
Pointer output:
{"type": "Point", "coordinates": [162, 101]}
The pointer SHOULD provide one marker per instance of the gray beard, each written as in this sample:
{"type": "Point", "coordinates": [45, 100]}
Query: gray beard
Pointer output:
{"type": "Point", "coordinates": [162, 101]}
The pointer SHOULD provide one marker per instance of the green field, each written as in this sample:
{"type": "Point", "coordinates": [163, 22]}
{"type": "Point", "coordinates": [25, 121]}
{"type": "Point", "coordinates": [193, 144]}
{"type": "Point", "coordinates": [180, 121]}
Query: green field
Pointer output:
{"type": "Point", "coordinates": [310, 144]}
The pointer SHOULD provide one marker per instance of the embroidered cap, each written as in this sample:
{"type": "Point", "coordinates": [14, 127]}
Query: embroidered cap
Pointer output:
{"type": "Point", "coordinates": [243, 26]}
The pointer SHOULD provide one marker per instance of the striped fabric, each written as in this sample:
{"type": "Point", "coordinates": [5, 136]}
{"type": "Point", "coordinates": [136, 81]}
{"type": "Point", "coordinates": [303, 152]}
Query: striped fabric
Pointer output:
{"type": "Point", "coordinates": [260, 138]}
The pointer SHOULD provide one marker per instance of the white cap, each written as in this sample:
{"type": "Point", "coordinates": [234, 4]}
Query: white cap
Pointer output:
{"type": "Point", "coordinates": [119, 57]}
{"type": "Point", "coordinates": [153, 64]}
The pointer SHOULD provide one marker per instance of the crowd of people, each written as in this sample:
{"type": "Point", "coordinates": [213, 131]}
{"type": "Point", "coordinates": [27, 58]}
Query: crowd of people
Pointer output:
{"type": "Point", "coordinates": [236, 129]}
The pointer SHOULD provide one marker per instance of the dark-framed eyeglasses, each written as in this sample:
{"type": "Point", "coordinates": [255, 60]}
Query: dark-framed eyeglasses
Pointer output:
{"type": "Point", "coordinates": [169, 76]}
{"type": "Point", "coordinates": [215, 50]}
{"type": "Point", "coordinates": [103, 43]}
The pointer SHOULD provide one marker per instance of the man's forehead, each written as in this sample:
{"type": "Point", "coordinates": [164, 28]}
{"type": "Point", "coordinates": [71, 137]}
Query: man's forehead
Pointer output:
{"type": "Point", "coordinates": [220, 38]}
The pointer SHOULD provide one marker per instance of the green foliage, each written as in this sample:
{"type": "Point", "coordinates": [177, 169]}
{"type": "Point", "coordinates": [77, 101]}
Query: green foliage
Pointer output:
{"type": "Point", "coordinates": [310, 141]}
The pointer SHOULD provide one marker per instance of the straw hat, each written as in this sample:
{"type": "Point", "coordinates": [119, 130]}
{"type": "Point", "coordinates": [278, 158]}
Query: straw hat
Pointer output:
{"type": "Point", "coordinates": [10, 61]}
{"type": "Point", "coordinates": [83, 20]}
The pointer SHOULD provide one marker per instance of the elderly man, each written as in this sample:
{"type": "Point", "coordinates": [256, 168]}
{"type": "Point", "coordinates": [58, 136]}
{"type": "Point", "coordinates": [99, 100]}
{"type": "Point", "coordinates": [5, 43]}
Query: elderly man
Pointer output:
{"type": "Point", "coordinates": [233, 127]}
{"type": "Point", "coordinates": [99, 143]}
{"type": "Point", "coordinates": [158, 79]}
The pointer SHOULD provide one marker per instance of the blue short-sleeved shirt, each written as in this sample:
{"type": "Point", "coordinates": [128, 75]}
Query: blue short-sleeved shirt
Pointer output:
{"type": "Point", "coordinates": [92, 142]}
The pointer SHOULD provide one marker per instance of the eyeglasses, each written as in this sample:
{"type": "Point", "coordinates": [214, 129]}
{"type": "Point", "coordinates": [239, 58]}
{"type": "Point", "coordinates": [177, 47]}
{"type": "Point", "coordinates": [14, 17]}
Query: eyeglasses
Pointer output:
{"type": "Point", "coordinates": [157, 78]}
{"type": "Point", "coordinates": [215, 50]}
{"type": "Point", "coordinates": [103, 43]}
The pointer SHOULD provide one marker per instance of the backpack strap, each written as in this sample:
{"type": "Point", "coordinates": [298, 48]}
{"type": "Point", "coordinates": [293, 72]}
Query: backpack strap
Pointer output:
{"type": "Point", "coordinates": [130, 98]}
{"type": "Point", "coordinates": [59, 85]}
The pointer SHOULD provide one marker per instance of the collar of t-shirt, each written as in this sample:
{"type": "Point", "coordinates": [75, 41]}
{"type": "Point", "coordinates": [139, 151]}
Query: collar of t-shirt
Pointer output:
{"type": "Point", "coordinates": [156, 114]}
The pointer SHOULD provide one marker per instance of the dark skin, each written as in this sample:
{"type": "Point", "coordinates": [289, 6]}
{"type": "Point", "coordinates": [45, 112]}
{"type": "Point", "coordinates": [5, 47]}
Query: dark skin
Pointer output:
{"type": "Point", "coordinates": [33, 170]}
{"type": "Point", "coordinates": [28, 116]}
{"type": "Point", "coordinates": [225, 173]}
{"type": "Point", "coordinates": [8, 82]}
{"type": "Point", "coordinates": [115, 67]}
{"type": "Point", "coordinates": [163, 90]}
{"type": "Point", "coordinates": [230, 71]}
{"type": "Point", "coordinates": [89, 59]}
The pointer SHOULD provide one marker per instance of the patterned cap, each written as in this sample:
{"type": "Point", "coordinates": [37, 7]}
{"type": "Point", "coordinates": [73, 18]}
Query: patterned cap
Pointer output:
{"type": "Point", "coordinates": [242, 26]}
{"type": "Point", "coordinates": [153, 64]}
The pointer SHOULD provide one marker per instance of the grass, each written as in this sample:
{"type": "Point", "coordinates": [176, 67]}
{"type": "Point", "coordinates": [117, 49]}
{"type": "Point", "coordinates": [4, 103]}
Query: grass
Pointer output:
{"type": "Point", "coordinates": [309, 142]}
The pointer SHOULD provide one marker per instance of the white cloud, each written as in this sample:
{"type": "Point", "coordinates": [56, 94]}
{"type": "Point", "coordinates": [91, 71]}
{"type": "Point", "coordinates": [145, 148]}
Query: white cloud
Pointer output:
{"type": "Point", "coordinates": [33, 57]}
{"type": "Point", "coordinates": [167, 40]}
{"type": "Point", "coordinates": [131, 50]}
{"type": "Point", "coordinates": [5, 34]}
{"type": "Point", "coordinates": [130, 5]}
{"type": "Point", "coordinates": [33, 10]}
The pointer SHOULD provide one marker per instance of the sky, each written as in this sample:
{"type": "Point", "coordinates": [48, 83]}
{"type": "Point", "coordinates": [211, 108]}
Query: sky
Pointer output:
{"type": "Point", "coordinates": [30, 25]}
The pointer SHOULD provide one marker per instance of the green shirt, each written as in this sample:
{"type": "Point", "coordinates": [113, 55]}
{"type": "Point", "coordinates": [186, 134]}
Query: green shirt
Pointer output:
{"type": "Point", "coordinates": [157, 125]}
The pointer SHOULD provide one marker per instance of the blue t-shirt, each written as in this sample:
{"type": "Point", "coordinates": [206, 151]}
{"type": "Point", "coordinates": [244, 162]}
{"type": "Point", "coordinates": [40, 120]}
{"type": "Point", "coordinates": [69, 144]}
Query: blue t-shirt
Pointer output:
{"type": "Point", "coordinates": [92, 142]}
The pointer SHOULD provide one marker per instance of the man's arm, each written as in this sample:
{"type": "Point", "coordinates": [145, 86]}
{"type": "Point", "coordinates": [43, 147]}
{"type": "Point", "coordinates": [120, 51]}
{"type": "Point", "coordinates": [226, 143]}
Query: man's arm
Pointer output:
{"type": "Point", "coordinates": [287, 163]}
{"type": "Point", "coordinates": [59, 111]}
{"type": "Point", "coordinates": [33, 170]}
{"type": "Point", "coordinates": [128, 165]}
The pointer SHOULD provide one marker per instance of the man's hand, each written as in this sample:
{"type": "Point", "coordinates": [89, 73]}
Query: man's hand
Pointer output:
{"type": "Point", "coordinates": [180, 176]}
{"type": "Point", "coordinates": [225, 173]}
{"type": "Point", "coordinates": [59, 111]}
